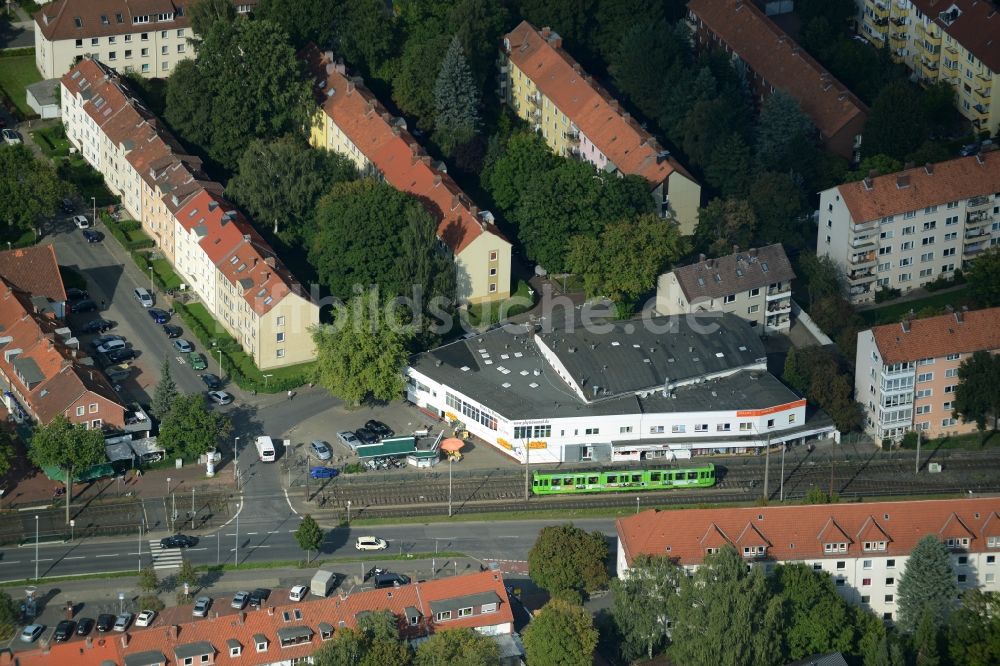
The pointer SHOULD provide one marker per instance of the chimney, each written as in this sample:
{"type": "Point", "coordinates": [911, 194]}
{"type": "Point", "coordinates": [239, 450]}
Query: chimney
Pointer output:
{"type": "Point", "coordinates": [437, 179]}
{"type": "Point", "coordinates": [929, 168]}
{"type": "Point", "coordinates": [868, 182]}
{"type": "Point", "coordinates": [350, 87]}
{"type": "Point", "coordinates": [736, 249]}
{"type": "Point", "coordinates": [577, 68]}
{"type": "Point", "coordinates": [270, 610]}
{"type": "Point", "coordinates": [752, 252]}
{"type": "Point", "coordinates": [255, 260]}
{"type": "Point", "coordinates": [395, 131]}
{"type": "Point", "coordinates": [614, 104]}
{"type": "Point", "coordinates": [172, 632]}
{"type": "Point", "coordinates": [474, 210]}
{"type": "Point", "coordinates": [386, 117]}
{"type": "Point", "coordinates": [125, 639]}
{"type": "Point", "coordinates": [426, 159]}
{"type": "Point", "coordinates": [905, 324]}
{"type": "Point", "coordinates": [242, 617]}
{"type": "Point", "coordinates": [328, 56]}
{"type": "Point", "coordinates": [546, 31]}
{"type": "Point", "coordinates": [902, 180]}
{"type": "Point", "coordinates": [369, 107]}
{"type": "Point", "coordinates": [979, 159]}
{"type": "Point", "coordinates": [269, 260]}
{"type": "Point", "coordinates": [627, 116]}
{"type": "Point", "coordinates": [701, 258]}
{"type": "Point", "coordinates": [341, 68]}
{"type": "Point", "coordinates": [960, 316]}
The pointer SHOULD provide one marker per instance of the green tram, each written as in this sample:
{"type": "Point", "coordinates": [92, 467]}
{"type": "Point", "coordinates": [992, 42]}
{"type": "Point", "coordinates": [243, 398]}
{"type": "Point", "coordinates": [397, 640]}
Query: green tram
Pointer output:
{"type": "Point", "coordinates": [611, 480]}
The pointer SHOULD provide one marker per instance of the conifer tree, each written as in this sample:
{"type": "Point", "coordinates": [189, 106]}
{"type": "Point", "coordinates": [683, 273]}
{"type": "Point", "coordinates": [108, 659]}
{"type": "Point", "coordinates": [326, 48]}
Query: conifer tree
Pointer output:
{"type": "Point", "coordinates": [456, 99]}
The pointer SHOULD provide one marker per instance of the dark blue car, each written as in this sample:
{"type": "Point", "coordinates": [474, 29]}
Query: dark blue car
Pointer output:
{"type": "Point", "coordinates": [322, 472]}
{"type": "Point", "coordinates": [159, 316]}
{"type": "Point", "coordinates": [93, 236]}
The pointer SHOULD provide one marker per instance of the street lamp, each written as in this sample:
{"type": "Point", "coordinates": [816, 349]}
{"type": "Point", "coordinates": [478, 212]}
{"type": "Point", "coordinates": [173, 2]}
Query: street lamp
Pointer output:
{"type": "Point", "coordinates": [236, 456]}
{"type": "Point", "coordinates": [222, 371]}
{"type": "Point", "coordinates": [348, 513]}
{"type": "Point", "coordinates": [236, 561]}
{"type": "Point", "coordinates": [72, 528]}
{"type": "Point", "coordinates": [166, 504]}
{"type": "Point", "coordinates": [36, 546]}
{"type": "Point", "coordinates": [151, 289]}
{"type": "Point", "coordinates": [93, 200]}
{"type": "Point", "coordinates": [450, 459]}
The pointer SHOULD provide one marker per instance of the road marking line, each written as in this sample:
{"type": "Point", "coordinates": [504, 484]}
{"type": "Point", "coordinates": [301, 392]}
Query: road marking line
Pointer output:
{"type": "Point", "coordinates": [249, 533]}
{"type": "Point", "coordinates": [75, 557]}
{"type": "Point", "coordinates": [46, 559]}
{"type": "Point", "coordinates": [10, 561]}
{"type": "Point", "coordinates": [111, 555]}
{"type": "Point", "coordinates": [274, 532]}
{"type": "Point", "coordinates": [290, 503]}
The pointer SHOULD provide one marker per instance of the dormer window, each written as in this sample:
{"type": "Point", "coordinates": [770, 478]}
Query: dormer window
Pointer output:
{"type": "Point", "coordinates": [874, 545]}
{"type": "Point", "coordinates": [957, 543]}
{"type": "Point", "coordinates": [488, 608]}
{"type": "Point", "coordinates": [442, 616]}
{"type": "Point", "coordinates": [711, 551]}
{"type": "Point", "coordinates": [753, 551]}
{"type": "Point", "coordinates": [235, 647]}
{"type": "Point", "coordinates": [260, 640]}
{"type": "Point", "coordinates": [465, 612]}
{"type": "Point", "coordinates": [993, 542]}
{"type": "Point", "coordinates": [840, 547]}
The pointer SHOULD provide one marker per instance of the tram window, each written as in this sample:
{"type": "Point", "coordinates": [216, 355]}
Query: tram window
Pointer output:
{"type": "Point", "coordinates": [612, 478]}
{"type": "Point", "coordinates": [636, 478]}
{"type": "Point", "coordinates": [572, 482]}
{"type": "Point", "coordinates": [593, 480]}
{"type": "Point", "coordinates": [692, 475]}
{"type": "Point", "coordinates": [654, 476]}
{"type": "Point", "coordinates": [555, 483]}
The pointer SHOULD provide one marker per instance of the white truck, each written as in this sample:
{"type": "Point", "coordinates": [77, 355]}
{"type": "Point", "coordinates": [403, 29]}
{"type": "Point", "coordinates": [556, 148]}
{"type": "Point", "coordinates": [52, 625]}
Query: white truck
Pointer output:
{"type": "Point", "coordinates": [322, 582]}
{"type": "Point", "coordinates": [265, 448]}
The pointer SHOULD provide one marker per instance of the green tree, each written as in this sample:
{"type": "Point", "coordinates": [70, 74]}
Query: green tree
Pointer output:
{"type": "Point", "coordinates": [70, 447]}
{"type": "Point", "coordinates": [361, 357]}
{"type": "Point", "coordinates": [623, 262]}
{"type": "Point", "coordinates": [524, 157]}
{"type": "Point", "coordinates": [366, 34]}
{"type": "Point", "coordinates": [984, 279]}
{"type": "Point", "coordinates": [937, 101]}
{"type": "Point", "coordinates": [304, 21]}
{"type": "Point", "coordinates": [191, 429]}
{"type": "Point", "coordinates": [166, 392]}
{"type": "Point", "coordinates": [565, 557]}
{"type": "Point", "coordinates": [560, 634]}
{"type": "Point", "coordinates": [822, 275]}
{"type": "Point", "coordinates": [413, 84]}
{"type": "Point", "coordinates": [725, 614]}
{"type": "Point", "coordinates": [709, 122]}
{"type": "Point", "coordinates": [571, 199]}
{"type": "Point", "coordinates": [572, 20]}
{"type": "Point", "coordinates": [974, 630]}
{"type": "Point", "coordinates": [816, 619]}
{"type": "Point", "coordinates": [309, 536]}
{"type": "Point", "coordinates": [29, 190]}
{"type": "Point", "coordinates": [245, 84]}
{"type": "Point", "coordinates": [926, 642]}
{"type": "Point", "coordinates": [780, 205]}
{"type": "Point", "coordinates": [7, 451]}
{"type": "Point", "coordinates": [186, 575]}
{"type": "Point", "coordinates": [729, 168]}
{"type": "Point", "coordinates": [927, 585]}
{"type": "Point", "coordinates": [375, 642]}
{"type": "Point", "coordinates": [889, 133]}
{"type": "Point", "coordinates": [724, 223]}
{"type": "Point", "coordinates": [879, 164]}
{"type": "Point", "coordinates": [148, 581]}
{"type": "Point", "coordinates": [977, 397]}
{"type": "Point", "coordinates": [10, 616]}
{"type": "Point", "coordinates": [456, 99]}
{"type": "Point", "coordinates": [279, 182]}
{"type": "Point", "coordinates": [642, 62]}
{"type": "Point", "coordinates": [479, 25]}
{"type": "Point", "coordinates": [785, 135]}
{"type": "Point", "coordinates": [641, 605]}
{"type": "Point", "coordinates": [794, 375]}
{"type": "Point", "coordinates": [203, 14]}
{"type": "Point", "coordinates": [457, 647]}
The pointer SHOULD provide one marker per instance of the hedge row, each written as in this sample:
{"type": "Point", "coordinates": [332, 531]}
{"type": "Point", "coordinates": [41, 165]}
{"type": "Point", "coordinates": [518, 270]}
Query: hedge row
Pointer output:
{"type": "Point", "coordinates": [120, 231]}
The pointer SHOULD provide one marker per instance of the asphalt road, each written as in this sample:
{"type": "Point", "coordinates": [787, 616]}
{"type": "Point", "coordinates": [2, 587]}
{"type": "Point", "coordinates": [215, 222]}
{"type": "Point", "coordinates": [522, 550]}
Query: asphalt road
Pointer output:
{"type": "Point", "coordinates": [18, 35]}
{"type": "Point", "coordinates": [262, 538]}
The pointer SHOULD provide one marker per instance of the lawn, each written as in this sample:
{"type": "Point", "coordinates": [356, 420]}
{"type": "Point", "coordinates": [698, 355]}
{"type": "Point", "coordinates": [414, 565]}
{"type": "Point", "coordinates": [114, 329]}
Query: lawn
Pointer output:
{"type": "Point", "coordinates": [895, 311]}
{"type": "Point", "coordinates": [52, 141]}
{"type": "Point", "coordinates": [971, 442]}
{"type": "Point", "coordinates": [88, 182]}
{"type": "Point", "coordinates": [163, 270]}
{"type": "Point", "coordinates": [16, 74]}
{"type": "Point", "coordinates": [508, 308]}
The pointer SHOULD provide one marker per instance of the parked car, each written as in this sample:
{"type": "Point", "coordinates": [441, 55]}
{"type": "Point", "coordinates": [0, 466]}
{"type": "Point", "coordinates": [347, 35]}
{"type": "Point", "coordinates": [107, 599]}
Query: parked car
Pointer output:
{"type": "Point", "coordinates": [178, 541]}
{"type": "Point", "coordinates": [374, 571]}
{"type": "Point", "coordinates": [321, 450]}
{"type": "Point", "coordinates": [121, 355]}
{"type": "Point", "coordinates": [145, 618]}
{"type": "Point", "coordinates": [211, 381]}
{"type": "Point", "coordinates": [84, 626]}
{"type": "Point", "coordinates": [104, 339]}
{"type": "Point", "coordinates": [31, 633]}
{"type": "Point", "coordinates": [86, 305]}
{"type": "Point", "coordinates": [322, 472]}
{"type": "Point", "coordinates": [197, 361]}
{"type": "Point", "coordinates": [144, 297]}
{"type": "Point", "coordinates": [380, 429]}
{"type": "Point", "coordinates": [201, 606]}
{"type": "Point", "coordinates": [122, 621]}
{"type": "Point", "coordinates": [97, 326]}
{"type": "Point", "coordinates": [969, 149]}
{"type": "Point", "coordinates": [390, 579]}
{"type": "Point", "coordinates": [159, 316]}
{"type": "Point", "coordinates": [298, 593]}
{"type": "Point", "coordinates": [64, 630]}
{"type": "Point", "coordinates": [105, 621]}
{"type": "Point", "coordinates": [173, 331]}
{"type": "Point", "coordinates": [220, 397]}
{"type": "Point", "coordinates": [183, 346]}
{"type": "Point", "coordinates": [11, 138]}
{"type": "Point", "coordinates": [259, 596]}
{"type": "Point", "coordinates": [74, 294]}
{"type": "Point", "coordinates": [67, 206]}
{"type": "Point", "coordinates": [93, 236]}
{"type": "Point", "coordinates": [110, 346]}
{"type": "Point", "coordinates": [240, 600]}
{"type": "Point", "coordinates": [348, 439]}
{"type": "Point", "coordinates": [370, 543]}
{"type": "Point", "coordinates": [81, 221]}
{"type": "Point", "coordinates": [366, 436]}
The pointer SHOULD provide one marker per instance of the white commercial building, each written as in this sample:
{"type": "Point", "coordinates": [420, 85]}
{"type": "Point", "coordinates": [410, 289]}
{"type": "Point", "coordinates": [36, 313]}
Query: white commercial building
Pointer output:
{"type": "Point", "coordinates": [863, 547]}
{"type": "Point", "coordinates": [662, 387]}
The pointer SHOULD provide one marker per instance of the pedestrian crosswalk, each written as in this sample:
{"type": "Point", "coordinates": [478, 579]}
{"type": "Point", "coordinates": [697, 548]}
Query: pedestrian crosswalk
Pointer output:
{"type": "Point", "coordinates": [165, 558]}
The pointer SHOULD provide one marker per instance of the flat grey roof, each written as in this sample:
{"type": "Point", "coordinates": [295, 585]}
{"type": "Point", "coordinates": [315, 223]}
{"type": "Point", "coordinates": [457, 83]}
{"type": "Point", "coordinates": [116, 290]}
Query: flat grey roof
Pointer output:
{"type": "Point", "coordinates": [505, 371]}
{"type": "Point", "coordinates": [477, 599]}
{"type": "Point", "coordinates": [29, 370]}
{"type": "Point", "coordinates": [292, 633]}
{"type": "Point", "coordinates": [195, 649]}
{"type": "Point", "coordinates": [45, 92]}
{"type": "Point", "coordinates": [147, 658]}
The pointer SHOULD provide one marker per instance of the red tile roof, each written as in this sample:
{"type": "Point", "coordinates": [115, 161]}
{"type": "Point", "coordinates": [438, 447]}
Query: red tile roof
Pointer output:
{"type": "Point", "coordinates": [34, 270]}
{"type": "Point", "coordinates": [977, 26]}
{"type": "Point", "coordinates": [920, 187]}
{"type": "Point", "coordinates": [771, 53]}
{"type": "Point", "coordinates": [616, 134]}
{"type": "Point", "coordinates": [244, 626]}
{"type": "Point", "coordinates": [933, 337]}
{"type": "Point", "coordinates": [57, 20]}
{"type": "Point", "coordinates": [385, 142]}
{"type": "Point", "coordinates": [800, 532]}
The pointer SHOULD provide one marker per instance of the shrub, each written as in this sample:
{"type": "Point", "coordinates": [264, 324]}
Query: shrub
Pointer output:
{"type": "Point", "coordinates": [887, 294]}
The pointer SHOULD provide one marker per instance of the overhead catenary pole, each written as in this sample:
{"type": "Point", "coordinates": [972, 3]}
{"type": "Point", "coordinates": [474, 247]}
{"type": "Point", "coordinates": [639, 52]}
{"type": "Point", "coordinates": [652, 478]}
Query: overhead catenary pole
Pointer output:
{"type": "Point", "coordinates": [767, 465]}
{"type": "Point", "coordinates": [527, 459]}
{"type": "Point", "coordinates": [781, 492]}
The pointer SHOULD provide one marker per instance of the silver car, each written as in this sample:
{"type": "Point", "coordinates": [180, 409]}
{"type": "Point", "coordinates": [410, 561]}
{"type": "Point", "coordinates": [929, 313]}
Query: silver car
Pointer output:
{"type": "Point", "coordinates": [201, 606]}
{"type": "Point", "coordinates": [183, 346]}
{"type": "Point", "coordinates": [321, 450]}
{"type": "Point", "coordinates": [349, 439]}
{"type": "Point", "coordinates": [240, 600]}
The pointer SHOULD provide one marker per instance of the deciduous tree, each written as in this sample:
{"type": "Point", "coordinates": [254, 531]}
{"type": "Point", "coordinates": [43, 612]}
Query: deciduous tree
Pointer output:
{"type": "Point", "coordinates": [974, 630]}
{"type": "Point", "coordinates": [879, 164]}
{"type": "Point", "coordinates": [191, 429]}
{"type": "Point", "coordinates": [730, 167]}
{"type": "Point", "coordinates": [456, 99]}
{"type": "Point", "coordinates": [565, 557]}
{"type": "Point", "coordinates": [888, 132]}
{"type": "Point", "coordinates": [203, 14]}
{"type": "Point", "coordinates": [522, 159]}
{"type": "Point", "coordinates": [977, 397]}
{"type": "Point", "coordinates": [785, 135]}
{"type": "Point", "coordinates": [361, 357]}
{"type": "Point", "coordinates": [166, 392]}
{"type": "Point", "coordinates": [724, 223]}
{"type": "Point", "coordinates": [642, 605]}
{"type": "Point", "coordinates": [309, 535]}
{"type": "Point", "coordinates": [29, 190]}
{"type": "Point", "coordinates": [304, 21]}
{"type": "Point", "coordinates": [816, 619]}
{"type": "Point", "coordinates": [780, 206]}
{"type": "Point", "coordinates": [414, 81]}
{"type": "Point", "coordinates": [984, 279]}
{"type": "Point", "coordinates": [375, 642]}
{"type": "Point", "coordinates": [561, 634]}
{"type": "Point", "coordinates": [457, 647]}
{"type": "Point", "coordinates": [71, 447]}
{"type": "Point", "coordinates": [927, 586]}
{"type": "Point", "coordinates": [642, 62]}
{"type": "Point", "coordinates": [7, 452]}
{"type": "Point", "coordinates": [10, 616]}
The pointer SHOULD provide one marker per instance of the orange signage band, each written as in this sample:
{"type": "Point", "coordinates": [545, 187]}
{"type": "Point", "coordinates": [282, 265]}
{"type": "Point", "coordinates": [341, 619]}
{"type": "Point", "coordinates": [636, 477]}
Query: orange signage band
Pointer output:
{"type": "Point", "coordinates": [772, 410]}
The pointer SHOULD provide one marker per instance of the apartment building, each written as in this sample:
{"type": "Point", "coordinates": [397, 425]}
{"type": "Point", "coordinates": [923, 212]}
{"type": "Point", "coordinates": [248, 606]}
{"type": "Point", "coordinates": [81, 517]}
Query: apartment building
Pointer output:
{"type": "Point", "coordinates": [43, 371]}
{"type": "Point", "coordinates": [863, 547]}
{"type": "Point", "coordinates": [286, 632]}
{"type": "Point", "coordinates": [906, 374]}
{"type": "Point", "coordinates": [905, 229]}
{"type": "Point", "coordinates": [660, 387]}
{"type": "Point", "coordinates": [255, 298]}
{"type": "Point", "coordinates": [148, 37]}
{"type": "Point", "coordinates": [755, 285]}
{"type": "Point", "coordinates": [351, 121]}
{"type": "Point", "coordinates": [773, 60]}
{"type": "Point", "coordinates": [954, 41]}
{"type": "Point", "coordinates": [547, 88]}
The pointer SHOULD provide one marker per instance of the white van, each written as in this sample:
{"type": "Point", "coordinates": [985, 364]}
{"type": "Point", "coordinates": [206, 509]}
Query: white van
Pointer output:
{"type": "Point", "coordinates": [265, 449]}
